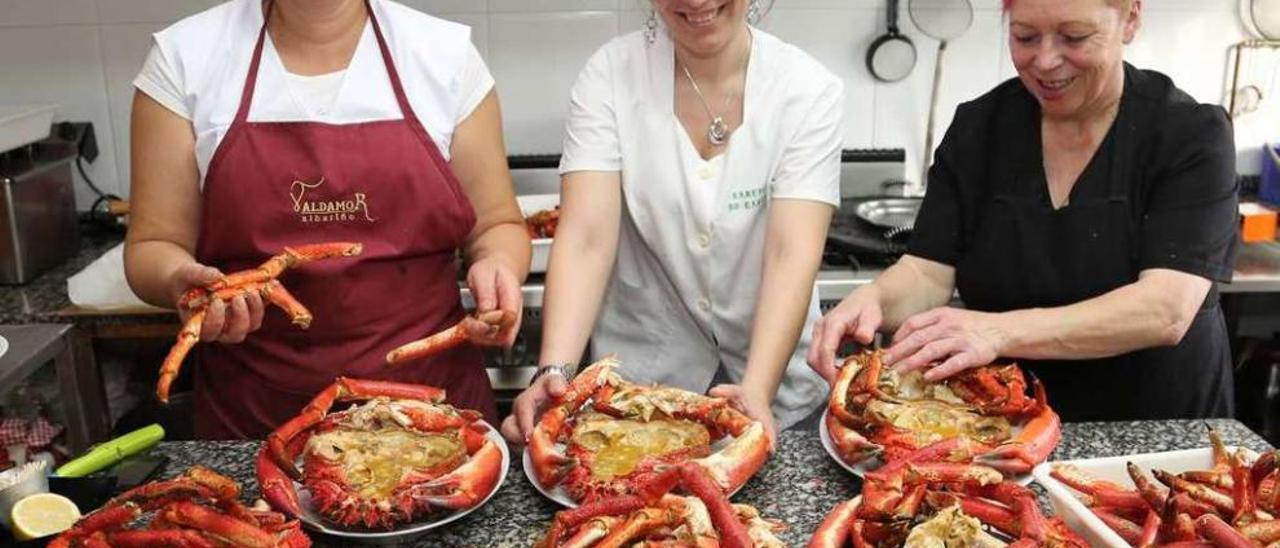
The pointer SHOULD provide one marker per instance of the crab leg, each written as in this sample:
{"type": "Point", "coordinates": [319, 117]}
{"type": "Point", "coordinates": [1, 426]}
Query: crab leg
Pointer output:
{"type": "Point", "coordinates": [276, 294]}
{"type": "Point", "coordinates": [1155, 495]}
{"type": "Point", "coordinates": [733, 534]}
{"type": "Point", "coordinates": [1220, 533]}
{"type": "Point", "coordinates": [737, 462]}
{"type": "Point", "coordinates": [277, 488]}
{"type": "Point", "coordinates": [147, 538]}
{"type": "Point", "coordinates": [233, 530]}
{"type": "Point", "coordinates": [461, 332]}
{"type": "Point", "coordinates": [187, 338]}
{"type": "Point", "coordinates": [1220, 501]}
{"type": "Point", "coordinates": [566, 520]}
{"type": "Point", "coordinates": [292, 256]}
{"type": "Point", "coordinates": [1102, 492]}
{"type": "Point", "coordinates": [836, 527]}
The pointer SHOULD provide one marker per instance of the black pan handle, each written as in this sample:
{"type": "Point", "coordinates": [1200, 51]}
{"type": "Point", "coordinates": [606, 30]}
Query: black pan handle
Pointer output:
{"type": "Point", "coordinates": [891, 19]}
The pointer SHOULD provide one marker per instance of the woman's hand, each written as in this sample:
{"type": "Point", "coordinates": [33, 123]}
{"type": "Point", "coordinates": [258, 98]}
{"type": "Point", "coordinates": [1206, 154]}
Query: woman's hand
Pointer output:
{"type": "Point", "coordinates": [226, 322]}
{"type": "Point", "coordinates": [754, 406]}
{"type": "Point", "coordinates": [495, 286]}
{"type": "Point", "coordinates": [859, 315]}
{"type": "Point", "coordinates": [959, 339]}
{"type": "Point", "coordinates": [529, 405]}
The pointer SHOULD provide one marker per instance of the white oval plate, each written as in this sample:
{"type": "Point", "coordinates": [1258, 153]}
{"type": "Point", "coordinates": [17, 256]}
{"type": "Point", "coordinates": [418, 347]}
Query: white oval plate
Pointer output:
{"type": "Point", "coordinates": [860, 469]}
{"type": "Point", "coordinates": [315, 522]}
{"type": "Point", "coordinates": [560, 495]}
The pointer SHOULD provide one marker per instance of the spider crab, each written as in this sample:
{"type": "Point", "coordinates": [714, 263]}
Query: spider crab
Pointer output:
{"type": "Point", "coordinates": [875, 410]}
{"type": "Point", "coordinates": [261, 280]}
{"type": "Point", "coordinates": [198, 508]}
{"type": "Point", "coordinates": [399, 454]}
{"type": "Point", "coordinates": [936, 497]}
{"type": "Point", "coordinates": [655, 517]}
{"type": "Point", "coordinates": [1232, 504]}
{"type": "Point", "coordinates": [618, 433]}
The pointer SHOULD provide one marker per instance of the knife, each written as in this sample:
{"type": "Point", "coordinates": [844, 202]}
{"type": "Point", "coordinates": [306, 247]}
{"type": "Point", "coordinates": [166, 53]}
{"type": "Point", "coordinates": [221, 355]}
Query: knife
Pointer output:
{"type": "Point", "coordinates": [107, 454]}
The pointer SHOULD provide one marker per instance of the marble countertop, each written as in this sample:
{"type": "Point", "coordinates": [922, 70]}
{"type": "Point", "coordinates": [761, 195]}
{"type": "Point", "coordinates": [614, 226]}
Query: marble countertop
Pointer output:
{"type": "Point", "coordinates": [798, 485]}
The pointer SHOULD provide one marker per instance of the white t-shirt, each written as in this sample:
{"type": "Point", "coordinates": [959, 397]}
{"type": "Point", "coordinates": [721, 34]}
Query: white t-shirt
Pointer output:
{"type": "Point", "coordinates": [197, 68]}
{"type": "Point", "coordinates": [682, 298]}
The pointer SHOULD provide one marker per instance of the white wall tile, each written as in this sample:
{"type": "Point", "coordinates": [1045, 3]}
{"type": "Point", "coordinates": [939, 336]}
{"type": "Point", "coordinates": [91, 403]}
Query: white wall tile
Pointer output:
{"type": "Point", "coordinates": [22, 13]}
{"type": "Point", "coordinates": [124, 48]}
{"type": "Point", "coordinates": [66, 70]}
{"type": "Point", "coordinates": [970, 68]}
{"type": "Point", "coordinates": [149, 11]}
{"type": "Point", "coordinates": [445, 7]}
{"type": "Point", "coordinates": [534, 82]}
{"type": "Point", "coordinates": [507, 6]}
{"type": "Point", "coordinates": [479, 24]}
{"type": "Point", "coordinates": [839, 40]}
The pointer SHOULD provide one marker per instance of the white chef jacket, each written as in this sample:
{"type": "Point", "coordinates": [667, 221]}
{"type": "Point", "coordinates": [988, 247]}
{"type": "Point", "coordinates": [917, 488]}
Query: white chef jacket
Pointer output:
{"type": "Point", "coordinates": [197, 69]}
{"type": "Point", "coordinates": [682, 297]}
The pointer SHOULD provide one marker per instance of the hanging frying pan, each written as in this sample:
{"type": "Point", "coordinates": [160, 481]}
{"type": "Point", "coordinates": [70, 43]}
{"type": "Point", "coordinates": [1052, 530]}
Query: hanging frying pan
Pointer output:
{"type": "Point", "coordinates": [892, 55]}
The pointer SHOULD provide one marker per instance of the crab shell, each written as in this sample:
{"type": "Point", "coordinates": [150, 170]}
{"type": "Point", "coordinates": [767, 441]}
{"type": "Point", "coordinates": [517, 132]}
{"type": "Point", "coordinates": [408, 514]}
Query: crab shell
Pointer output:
{"type": "Point", "coordinates": [396, 457]}
{"type": "Point", "coordinates": [655, 427]}
{"type": "Point", "coordinates": [874, 410]}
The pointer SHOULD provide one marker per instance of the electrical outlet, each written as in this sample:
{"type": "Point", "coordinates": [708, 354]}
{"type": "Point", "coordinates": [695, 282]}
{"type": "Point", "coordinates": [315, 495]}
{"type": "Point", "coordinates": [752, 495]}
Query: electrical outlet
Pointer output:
{"type": "Point", "coordinates": [80, 133]}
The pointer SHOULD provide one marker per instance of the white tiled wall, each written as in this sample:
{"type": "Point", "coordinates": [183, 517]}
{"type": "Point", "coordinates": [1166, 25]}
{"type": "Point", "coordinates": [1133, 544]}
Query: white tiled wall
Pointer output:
{"type": "Point", "coordinates": [82, 54]}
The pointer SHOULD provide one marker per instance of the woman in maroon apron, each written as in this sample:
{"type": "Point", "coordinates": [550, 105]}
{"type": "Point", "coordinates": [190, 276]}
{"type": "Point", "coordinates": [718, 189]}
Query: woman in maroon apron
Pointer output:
{"type": "Point", "coordinates": [271, 184]}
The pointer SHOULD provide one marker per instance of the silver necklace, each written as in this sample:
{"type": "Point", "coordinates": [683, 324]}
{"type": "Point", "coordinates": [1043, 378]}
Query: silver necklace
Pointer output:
{"type": "Point", "coordinates": [718, 131]}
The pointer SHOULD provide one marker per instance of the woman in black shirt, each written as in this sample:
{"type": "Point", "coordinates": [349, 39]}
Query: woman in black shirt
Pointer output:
{"type": "Point", "coordinates": [1083, 211]}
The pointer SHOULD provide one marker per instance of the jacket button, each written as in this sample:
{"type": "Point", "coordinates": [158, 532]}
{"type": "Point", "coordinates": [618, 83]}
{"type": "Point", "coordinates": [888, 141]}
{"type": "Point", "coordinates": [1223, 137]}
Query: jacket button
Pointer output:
{"type": "Point", "coordinates": [704, 304]}
{"type": "Point", "coordinates": [704, 240]}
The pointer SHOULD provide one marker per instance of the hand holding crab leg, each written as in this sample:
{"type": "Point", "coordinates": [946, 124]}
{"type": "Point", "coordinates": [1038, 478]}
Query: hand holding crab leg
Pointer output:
{"type": "Point", "coordinates": [204, 306]}
{"type": "Point", "coordinates": [479, 328]}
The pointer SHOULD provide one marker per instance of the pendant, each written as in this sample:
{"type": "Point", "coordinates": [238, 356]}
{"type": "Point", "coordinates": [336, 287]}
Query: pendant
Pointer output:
{"type": "Point", "coordinates": [718, 131]}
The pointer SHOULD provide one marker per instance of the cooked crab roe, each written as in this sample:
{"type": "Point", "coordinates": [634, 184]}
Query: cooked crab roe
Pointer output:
{"type": "Point", "coordinates": [933, 411]}
{"type": "Point", "coordinates": [620, 444]}
{"type": "Point", "coordinates": [951, 528]}
{"type": "Point", "coordinates": [377, 451]}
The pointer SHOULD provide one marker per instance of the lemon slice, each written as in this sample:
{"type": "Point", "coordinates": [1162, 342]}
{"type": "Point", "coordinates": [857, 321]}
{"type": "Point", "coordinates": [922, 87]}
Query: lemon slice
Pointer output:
{"type": "Point", "coordinates": [43, 514]}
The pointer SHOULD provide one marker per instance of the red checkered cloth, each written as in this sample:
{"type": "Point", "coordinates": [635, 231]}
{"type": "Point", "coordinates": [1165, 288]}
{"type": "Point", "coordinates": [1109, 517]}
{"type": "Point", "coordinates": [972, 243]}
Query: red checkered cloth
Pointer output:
{"type": "Point", "coordinates": [32, 433]}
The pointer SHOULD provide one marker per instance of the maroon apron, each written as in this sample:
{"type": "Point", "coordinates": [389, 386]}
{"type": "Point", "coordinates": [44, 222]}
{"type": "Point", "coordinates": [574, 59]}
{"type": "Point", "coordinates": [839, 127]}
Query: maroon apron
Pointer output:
{"type": "Point", "coordinates": [383, 184]}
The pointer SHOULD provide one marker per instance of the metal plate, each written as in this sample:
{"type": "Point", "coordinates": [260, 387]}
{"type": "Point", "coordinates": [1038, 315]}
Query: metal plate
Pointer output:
{"type": "Point", "coordinates": [313, 521]}
{"type": "Point", "coordinates": [889, 212]}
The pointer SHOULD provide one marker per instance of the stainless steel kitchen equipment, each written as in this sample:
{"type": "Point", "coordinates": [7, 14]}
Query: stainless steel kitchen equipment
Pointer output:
{"type": "Point", "coordinates": [944, 21]}
{"type": "Point", "coordinates": [892, 55]}
{"type": "Point", "coordinates": [38, 227]}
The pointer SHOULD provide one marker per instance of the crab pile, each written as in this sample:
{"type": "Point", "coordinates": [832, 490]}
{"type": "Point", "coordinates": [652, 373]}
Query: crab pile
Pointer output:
{"type": "Point", "coordinates": [261, 280]}
{"type": "Point", "coordinates": [616, 434]}
{"type": "Point", "coordinates": [1233, 504]}
{"type": "Point", "coordinates": [874, 410]}
{"type": "Point", "coordinates": [936, 497]}
{"type": "Point", "coordinates": [542, 224]}
{"type": "Point", "coordinates": [655, 517]}
{"type": "Point", "coordinates": [399, 453]}
{"type": "Point", "coordinates": [198, 508]}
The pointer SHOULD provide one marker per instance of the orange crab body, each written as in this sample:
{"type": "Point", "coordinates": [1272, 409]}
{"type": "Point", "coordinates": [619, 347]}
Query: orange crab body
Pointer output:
{"type": "Point", "coordinates": [875, 410]}
{"type": "Point", "coordinates": [399, 455]}
{"type": "Point", "coordinates": [616, 434]}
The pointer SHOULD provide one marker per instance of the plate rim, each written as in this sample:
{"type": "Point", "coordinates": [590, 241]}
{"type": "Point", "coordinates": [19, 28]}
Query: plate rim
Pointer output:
{"type": "Point", "coordinates": [414, 528]}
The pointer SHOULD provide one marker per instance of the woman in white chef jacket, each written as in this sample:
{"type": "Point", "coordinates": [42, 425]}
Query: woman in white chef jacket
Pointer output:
{"type": "Point", "coordinates": [699, 173]}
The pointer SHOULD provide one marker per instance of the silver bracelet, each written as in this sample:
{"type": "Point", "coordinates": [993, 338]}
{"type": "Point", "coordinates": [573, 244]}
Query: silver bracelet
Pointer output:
{"type": "Point", "coordinates": [565, 370]}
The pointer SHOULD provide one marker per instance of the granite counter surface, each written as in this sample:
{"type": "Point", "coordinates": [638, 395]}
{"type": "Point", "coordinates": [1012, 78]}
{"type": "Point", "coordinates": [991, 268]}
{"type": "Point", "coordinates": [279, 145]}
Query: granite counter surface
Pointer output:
{"type": "Point", "coordinates": [798, 485]}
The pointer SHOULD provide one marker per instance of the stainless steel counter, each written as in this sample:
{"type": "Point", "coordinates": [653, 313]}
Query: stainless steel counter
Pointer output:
{"type": "Point", "coordinates": [1257, 270]}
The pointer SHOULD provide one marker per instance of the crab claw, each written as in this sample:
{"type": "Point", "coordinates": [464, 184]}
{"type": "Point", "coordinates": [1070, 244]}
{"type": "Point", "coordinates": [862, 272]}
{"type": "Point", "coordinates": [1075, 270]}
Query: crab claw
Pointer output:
{"type": "Point", "coordinates": [466, 485]}
{"type": "Point", "coordinates": [1031, 446]}
{"type": "Point", "coordinates": [459, 333]}
{"type": "Point", "coordinates": [837, 526]}
{"type": "Point", "coordinates": [187, 338]}
{"type": "Point", "coordinates": [277, 488]}
{"type": "Point", "coordinates": [732, 466]}
{"type": "Point", "coordinates": [549, 463]}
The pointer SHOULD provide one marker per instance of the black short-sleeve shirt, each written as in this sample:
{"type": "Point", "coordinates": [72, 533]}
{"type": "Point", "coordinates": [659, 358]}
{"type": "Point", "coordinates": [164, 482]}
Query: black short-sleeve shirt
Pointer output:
{"type": "Point", "coordinates": [1160, 192]}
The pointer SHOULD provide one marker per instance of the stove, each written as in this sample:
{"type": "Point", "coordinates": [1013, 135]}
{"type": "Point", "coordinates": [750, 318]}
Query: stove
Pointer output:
{"type": "Point", "coordinates": [851, 243]}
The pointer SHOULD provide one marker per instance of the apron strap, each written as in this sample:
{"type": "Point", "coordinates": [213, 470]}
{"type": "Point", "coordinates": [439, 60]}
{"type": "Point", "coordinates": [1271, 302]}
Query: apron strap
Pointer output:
{"type": "Point", "coordinates": [251, 80]}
